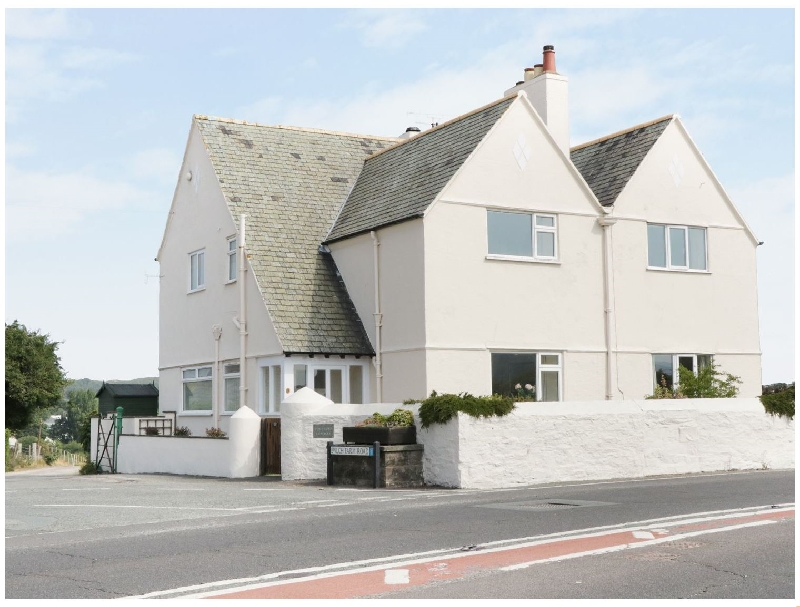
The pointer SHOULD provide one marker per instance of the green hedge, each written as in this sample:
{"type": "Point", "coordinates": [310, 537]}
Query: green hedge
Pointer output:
{"type": "Point", "coordinates": [440, 408]}
{"type": "Point", "coordinates": [779, 400]}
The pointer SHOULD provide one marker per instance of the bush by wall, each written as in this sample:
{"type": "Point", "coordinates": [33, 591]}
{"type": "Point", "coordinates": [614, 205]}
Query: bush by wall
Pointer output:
{"type": "Point", "coordinates": [709, 382]}
{"type": "Point", "coordinates": [400, 418]}
{"type": "Point", "coordinates": [440, 408]}
{"type": "Point", "coordinates": [778, 399]}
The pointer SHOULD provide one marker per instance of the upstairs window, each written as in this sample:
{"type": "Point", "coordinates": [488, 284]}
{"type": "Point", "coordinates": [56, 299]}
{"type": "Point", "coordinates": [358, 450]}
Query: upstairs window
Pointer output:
{"type": "Point", "coordinates": [197, 270]}
{"type": "Point", "coordinates": [676, 247]}
{"type": "Point", "coordinates": [529, 235]}
{"type": "Point", "coordinates": [232, 259]}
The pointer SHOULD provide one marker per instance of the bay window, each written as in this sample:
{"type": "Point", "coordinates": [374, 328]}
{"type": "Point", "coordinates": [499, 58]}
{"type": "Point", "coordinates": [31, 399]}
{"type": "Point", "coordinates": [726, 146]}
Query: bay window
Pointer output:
{"type": "Point", "coordinates": [231, 379]}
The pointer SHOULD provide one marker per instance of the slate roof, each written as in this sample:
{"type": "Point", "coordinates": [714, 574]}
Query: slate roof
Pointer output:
{"type": "Point", "coordinates": [129, 390]}
{"type": "Point", "coordinates": [399, 183]}
{"type": "Point", "coordinates": [608, 163]}
{"type": "Point", "coordinates": [291, 183]}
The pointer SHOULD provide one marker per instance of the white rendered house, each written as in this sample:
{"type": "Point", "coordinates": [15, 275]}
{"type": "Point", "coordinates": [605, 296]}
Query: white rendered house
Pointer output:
{"type": "Point", "coordinates": [475, 256]}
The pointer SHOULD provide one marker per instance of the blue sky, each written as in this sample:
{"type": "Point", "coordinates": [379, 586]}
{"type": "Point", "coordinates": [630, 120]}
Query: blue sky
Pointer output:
{"type": "Point", "coordinates": [99, 104]}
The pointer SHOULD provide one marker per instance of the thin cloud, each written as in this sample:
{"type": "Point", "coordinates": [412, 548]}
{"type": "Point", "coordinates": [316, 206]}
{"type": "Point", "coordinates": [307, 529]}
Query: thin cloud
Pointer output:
{"type": "Point", "coordinates": [385, 29]}
{"type": "Point", "coordinates": [79, 58]}
{"type": "Point", "coordinates": [56, 202]}
{"type": "Point", "coordinates": [42, 24]}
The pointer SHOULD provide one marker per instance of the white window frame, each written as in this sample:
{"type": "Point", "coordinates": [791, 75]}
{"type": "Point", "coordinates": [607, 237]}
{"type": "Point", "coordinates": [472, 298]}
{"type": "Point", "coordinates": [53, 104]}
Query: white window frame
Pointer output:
{"type": "Point", "coordinates": [559, 367]}
{"type": "Point", "coordinates": [676, 372]}
{"type": "Point", "coordinates": [226, 375]}
{"type": "Point", "coordinates": [549, 367]}
{"type": "Point", "coordinates": [232, 253]}
{"type": "Point", "coordinates": [194, 379]}
{"type": "Point", "coordinates": [536, 229]}
{"type": "Point", "coordinates": [286, 367]}
{"type": "Point", "coordinates": [200, 254]}
{"type": "Point", "coordinates": [667, 244]}
{"type": "Point", "coordinates": [268, 404]}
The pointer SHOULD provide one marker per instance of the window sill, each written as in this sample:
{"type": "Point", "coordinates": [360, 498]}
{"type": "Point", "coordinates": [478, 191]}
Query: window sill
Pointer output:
{"type": "Point", "coordinates": [230, 282]}
{"type": "Point", "coordinates": [522, 259]}
{"type": "Point", "coordinates": [196, 413]}
{"type": "Point", "coordinates": [203, 288]}
{"type": "Point", "coordinates": [677, 270]}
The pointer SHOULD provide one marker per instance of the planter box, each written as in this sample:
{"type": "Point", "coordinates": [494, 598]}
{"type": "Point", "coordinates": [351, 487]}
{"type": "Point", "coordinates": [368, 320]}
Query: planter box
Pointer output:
{"type": "Point", "coordinates": [366, 435]}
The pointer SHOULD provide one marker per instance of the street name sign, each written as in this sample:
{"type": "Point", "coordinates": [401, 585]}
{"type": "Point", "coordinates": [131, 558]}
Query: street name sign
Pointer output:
{"type": "Point", "coordinates": [355, 450]}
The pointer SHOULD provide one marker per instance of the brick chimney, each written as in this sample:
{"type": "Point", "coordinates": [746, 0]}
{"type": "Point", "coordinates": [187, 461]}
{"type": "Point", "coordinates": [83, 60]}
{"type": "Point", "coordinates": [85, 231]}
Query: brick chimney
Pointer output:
{"type": "Point", "coordinates": [547, 92]}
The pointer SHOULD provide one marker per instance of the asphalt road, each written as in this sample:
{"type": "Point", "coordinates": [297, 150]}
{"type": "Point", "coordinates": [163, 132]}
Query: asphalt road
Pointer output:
{"type": "Point", "coordinates": [110, 536]}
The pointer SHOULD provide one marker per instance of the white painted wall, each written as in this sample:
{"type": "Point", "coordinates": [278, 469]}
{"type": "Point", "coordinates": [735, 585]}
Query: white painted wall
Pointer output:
{"type": "Point", "coordinates": [402, 295]}
{"type": "Point", "coordinates": [302, 455]}
{"type": "Point", "coordinates": [550, 442]}
{"type": "Point", "coordinates": [476, 305]}
{"type": "Point", "coordinates": [679, 312]}
{"type": "Point", "coordinates": [199, 218]}
{"type": "Point", "coordinates": [234, 457]}
{"type": "Point", "coordinates": [556, 442]}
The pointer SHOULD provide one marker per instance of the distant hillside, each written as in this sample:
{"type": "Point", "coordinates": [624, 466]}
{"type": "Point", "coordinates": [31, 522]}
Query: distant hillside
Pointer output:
{"type": "Point", "coordinates": [95, 384]}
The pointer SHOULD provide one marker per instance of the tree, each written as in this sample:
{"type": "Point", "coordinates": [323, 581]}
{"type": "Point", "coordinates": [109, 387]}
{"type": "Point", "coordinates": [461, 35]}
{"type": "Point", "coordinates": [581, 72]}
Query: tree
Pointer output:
{"type": "Point", "coordinates": [34, 377]}
{"type": "Point", "coordinates": [80, 405]}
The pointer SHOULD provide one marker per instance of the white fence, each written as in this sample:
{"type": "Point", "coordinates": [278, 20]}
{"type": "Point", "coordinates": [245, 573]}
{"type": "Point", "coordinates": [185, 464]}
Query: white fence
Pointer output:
{"type": "Point", "coordinates": [566, 441]}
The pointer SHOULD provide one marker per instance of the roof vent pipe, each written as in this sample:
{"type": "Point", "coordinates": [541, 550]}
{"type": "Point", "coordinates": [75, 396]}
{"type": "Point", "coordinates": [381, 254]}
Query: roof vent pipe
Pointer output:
{"type": "Point", "coordinates": [411, 131]}
{"type": "Point", "coordinates": [549, 58]}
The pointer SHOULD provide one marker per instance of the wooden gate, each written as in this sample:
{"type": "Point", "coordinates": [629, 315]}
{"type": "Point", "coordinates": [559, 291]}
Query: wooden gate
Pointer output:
{"type": "Point", "coordinates": [270, 446]}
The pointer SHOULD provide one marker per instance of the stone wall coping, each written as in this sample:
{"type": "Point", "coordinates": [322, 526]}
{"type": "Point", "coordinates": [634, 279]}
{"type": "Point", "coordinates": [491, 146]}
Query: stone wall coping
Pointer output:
{"type": "Point", "coordinates": [391, 448]}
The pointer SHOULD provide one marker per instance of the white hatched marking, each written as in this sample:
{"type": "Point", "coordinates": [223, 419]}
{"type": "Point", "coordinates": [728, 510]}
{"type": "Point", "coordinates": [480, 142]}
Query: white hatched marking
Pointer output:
{"type": "Point", "coordinates": [643, 535]}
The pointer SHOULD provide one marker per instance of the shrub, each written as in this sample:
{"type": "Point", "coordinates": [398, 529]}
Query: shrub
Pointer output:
{"type": "Point", "coordinates": [72, 447]}
{"type": "Point", "coordinates": [440, 408]}
{"type": "Point", "coordinates": [182, 431]}
{"type": "Point", "coordinates": [27, 441]}
{"type": "Point", "coordinates": [400, 418]}
{"type": "Point", "coordinates": [778, 399]}
{"type": "Point", "coordinates": [151, 431]}
{"type": "Point", "coordinates": [709, 382]}
{"type": "Point", "coordinates": [90, 468]}
{"type": "Point", "coordinates": [215, 433]}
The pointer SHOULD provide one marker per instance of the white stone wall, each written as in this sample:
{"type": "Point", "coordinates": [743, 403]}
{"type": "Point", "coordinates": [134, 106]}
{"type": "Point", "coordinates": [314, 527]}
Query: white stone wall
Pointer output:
{"type": "Point", "coordinates": [557, 442]}
{"type": "Point", "coordinates": [236, 457]}
{"type": "Point", "coordinates": [304, 457]}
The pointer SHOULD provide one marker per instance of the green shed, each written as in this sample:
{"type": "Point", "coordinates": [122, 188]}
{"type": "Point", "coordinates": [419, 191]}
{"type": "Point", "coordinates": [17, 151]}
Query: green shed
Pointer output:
{"type": "Point", "coordinates": [136, 400]}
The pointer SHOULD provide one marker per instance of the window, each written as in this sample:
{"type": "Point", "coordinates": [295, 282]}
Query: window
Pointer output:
{"type": "Point", "coordinates": [232, 259]}
{"type": "Point", "coordinates": [197, 271]}
{"type": "Point", "coordinates": [271, 382]}
{"type": "Point", "coordinates": [537, 373]}
{"type": "Point", "coordinates": [231, 381]}
{"type": "Point", "coordinates": [522, 235]}
{"type": "Point", "coordinates": [666, 367]}
{"type": "Point", "coordinates": [341, 383]}
{"type": "Point", "coordinates": [676, 247]}
{"type": "Point", "coordinates": [197, 389]}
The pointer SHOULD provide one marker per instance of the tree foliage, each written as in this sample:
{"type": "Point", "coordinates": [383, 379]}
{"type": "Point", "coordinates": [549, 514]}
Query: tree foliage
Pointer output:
{"type": "Point", "coordinates": [34, 377]}
{"type": "Point", "coordinates": [80, 405]}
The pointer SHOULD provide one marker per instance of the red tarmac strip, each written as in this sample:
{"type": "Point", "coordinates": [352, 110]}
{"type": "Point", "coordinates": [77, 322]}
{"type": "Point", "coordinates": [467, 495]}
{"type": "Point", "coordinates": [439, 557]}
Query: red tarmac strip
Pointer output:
{"type": "Point", "coordinates": [352, 584]}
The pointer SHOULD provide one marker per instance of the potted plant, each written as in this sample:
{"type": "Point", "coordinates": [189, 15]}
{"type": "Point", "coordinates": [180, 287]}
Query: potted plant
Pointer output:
{"type": "Point", "coordinates": [395, 429]}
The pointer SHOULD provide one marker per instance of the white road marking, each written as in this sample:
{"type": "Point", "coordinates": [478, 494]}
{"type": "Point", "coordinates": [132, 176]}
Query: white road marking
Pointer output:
{"type": "Point", "coordinates": [643, 535]}
{"type": "Point", "coordinates": [90, 489]}
{"type": "Point", "coordinates": [644, 544]}
{"type": "Point", "coordinates": [376, 564]}
{"type": "Point", "coordinates": [276, 489]}
{"type": "Point", "coordinates": [395, 576]}
{"type": "Point", "coordinates": [317, 501]}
